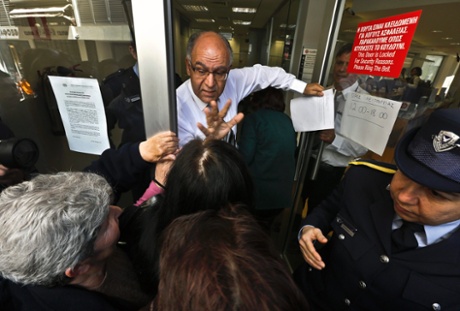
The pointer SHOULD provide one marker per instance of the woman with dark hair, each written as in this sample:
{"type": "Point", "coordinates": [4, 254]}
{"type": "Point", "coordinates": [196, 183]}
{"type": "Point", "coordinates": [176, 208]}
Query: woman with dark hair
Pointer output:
{"type": "Point", "coordinates": [205, 175]}
{"type": "Point", "coordinates": [414, 86]}
{"type": "Point", "coordinates": [220, 259]}
{"type": "Point", "coordinates": [268, 142]}
{"type": "Point", "coordinates": [414, 79]}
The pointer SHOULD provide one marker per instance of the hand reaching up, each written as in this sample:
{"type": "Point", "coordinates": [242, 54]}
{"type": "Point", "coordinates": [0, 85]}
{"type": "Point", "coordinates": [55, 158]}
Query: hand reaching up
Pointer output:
{"type": "Point", "coordinates": [217, 128]}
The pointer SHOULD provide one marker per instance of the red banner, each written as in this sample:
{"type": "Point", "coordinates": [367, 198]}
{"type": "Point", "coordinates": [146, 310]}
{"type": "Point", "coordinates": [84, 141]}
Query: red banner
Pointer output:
{"type": "Point", "coordinates": [381, 46]}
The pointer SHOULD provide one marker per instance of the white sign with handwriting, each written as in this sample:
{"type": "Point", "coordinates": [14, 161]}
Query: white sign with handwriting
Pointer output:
{"type": "Point", "coordinates": [368, 120]}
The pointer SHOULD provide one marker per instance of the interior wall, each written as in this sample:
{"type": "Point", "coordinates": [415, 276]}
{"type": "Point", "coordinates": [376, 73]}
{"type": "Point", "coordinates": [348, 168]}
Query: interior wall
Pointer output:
{"type": "Point", "coordinates": [446, 69]}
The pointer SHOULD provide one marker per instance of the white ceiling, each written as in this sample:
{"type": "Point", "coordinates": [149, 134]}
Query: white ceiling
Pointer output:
{"type": "Point", "coordinates": [443, 15]}
{"type": "Point", "coordinates": [221, 12]}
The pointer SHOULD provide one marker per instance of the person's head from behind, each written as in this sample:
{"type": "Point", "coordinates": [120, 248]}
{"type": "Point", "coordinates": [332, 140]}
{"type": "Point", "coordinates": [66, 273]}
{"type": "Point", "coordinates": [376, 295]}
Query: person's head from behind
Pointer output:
{"type": "Point", "coordinates": [208, 61]}
{"type": "Point", "coordinates": [269, 98]}
{"type": "Point", "coordinates": [342, 79]}
{"type": "Point", "coordinates": [426, 187]}
{"type": "Point", "coordinates": [416, 71]}
{"type": "Point", "coordinates": [222, 260]}
{"type": "Point", "coordinates": [56, 227]}
{"type": "Point", "coordinates": [206, 175]}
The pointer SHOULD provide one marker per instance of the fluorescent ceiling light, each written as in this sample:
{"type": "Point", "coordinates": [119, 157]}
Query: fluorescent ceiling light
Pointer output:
{"type": "Point", "coordinates": [40, 10]}
{"type": "Point", "coordinates": [240, 22]}
{"type": "Point", "coordinates": [229, 28]}
{"type": "Point", "coordinates": [195, 8]}
{"type": "Point", "coordinates": [244, 10]}
{"type": "Point", "coordinates": [48, 12]}
{"type": "Point", "coordinates": [292, 26]}
{"type": "Point", "coordinates": [205, 20]}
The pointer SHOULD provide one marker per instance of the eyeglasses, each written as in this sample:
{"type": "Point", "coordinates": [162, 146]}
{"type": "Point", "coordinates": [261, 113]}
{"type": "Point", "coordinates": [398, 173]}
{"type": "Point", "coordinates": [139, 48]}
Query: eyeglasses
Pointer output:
{"type": "Point", "coordinates": [219, 74]}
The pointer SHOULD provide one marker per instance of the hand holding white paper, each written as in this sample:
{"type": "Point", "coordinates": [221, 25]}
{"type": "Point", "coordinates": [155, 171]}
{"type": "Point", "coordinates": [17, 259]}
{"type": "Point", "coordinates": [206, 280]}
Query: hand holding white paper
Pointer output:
{"type": "Point", "coordinates": [311, 113]}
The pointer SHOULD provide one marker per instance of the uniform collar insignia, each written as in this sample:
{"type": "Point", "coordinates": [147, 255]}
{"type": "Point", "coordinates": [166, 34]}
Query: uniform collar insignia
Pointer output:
{"type": "Point", "coordinates": [445, 141]}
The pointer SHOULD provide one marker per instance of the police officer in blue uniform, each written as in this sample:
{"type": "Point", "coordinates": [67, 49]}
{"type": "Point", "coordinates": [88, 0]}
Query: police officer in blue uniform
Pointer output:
{"type": "Point", "coordinates": [395, 231]}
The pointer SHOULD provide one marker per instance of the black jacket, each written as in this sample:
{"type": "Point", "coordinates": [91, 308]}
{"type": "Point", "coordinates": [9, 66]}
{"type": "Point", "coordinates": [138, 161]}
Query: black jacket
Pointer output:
{"type": "Point", "coordinates": [361, 272]}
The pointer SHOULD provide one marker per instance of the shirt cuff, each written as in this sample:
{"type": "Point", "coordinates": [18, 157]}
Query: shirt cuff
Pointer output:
{"type": "Point", "coordinates": [298, 86]}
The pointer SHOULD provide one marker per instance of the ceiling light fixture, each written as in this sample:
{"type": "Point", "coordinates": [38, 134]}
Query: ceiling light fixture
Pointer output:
{"type": "Point", "coordinates": [244, 10]}
{"type": "Point", "coordinates": [229, 28]}
{"type": "Point", "coordinates": [195, 8]}
{"type": "Point", "coordinates": [291, 26]}
{"type": "Point", "coordinates": [240, 22]}
{"type": "Point", "coordinates": [205, 20]}
{"type": "Point", "coordinates": [48, 12]}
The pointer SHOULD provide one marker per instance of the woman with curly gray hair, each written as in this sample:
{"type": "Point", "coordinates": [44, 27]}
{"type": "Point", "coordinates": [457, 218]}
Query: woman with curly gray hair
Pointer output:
{"type": "Point", "coordinates": [56, 233]}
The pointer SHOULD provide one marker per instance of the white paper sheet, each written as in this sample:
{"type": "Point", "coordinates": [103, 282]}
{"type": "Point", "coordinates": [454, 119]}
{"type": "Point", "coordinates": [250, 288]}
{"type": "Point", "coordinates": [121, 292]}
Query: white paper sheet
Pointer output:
{"type": "Point", "coordinates": [82, 112]}
{"type": "Point", "coordinates": [368, 120]}
{"type": "Point", "coordinates": [312, 113]}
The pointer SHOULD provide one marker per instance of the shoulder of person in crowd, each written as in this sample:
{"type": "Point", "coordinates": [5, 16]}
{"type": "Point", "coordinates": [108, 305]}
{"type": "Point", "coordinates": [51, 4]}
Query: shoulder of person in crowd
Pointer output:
{"type": "Point", "coordinates": [119, 77]}
{"type": "Point", "coordinates": [125, 80]}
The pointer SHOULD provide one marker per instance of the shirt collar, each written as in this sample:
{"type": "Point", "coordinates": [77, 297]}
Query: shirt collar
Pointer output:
{"type": "Point", "coordinates": [197, 101]}
{"type": "Point", "coordinates": [434, 234]}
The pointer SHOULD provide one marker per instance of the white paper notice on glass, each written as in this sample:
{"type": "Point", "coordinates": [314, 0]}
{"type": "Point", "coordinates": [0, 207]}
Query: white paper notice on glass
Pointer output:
{"type": "Point", "coordinates": [369, 120]}
{"type": "Point", "coordinates": [82, 112]}
{"type": "Point", "coordinates": [312, 113]}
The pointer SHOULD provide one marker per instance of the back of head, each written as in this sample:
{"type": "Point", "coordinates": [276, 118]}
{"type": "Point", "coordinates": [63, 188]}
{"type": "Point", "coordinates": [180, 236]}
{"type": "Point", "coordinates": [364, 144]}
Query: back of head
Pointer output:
{"type": "Point", "coordinates": [50, 224]}
{"type": "Point", "coordinates": [269, 98]}
{"type": "Point", "coordinates": [430, 154]}
{"type": "Point", "coordinates": [222, 260]}
{"type": "Point", "coordinates": [417, 71]}
{"type": "Point", "coordinates": [206, 175]}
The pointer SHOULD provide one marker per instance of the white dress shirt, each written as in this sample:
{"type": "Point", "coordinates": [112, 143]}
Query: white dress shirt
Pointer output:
{"type": "Point", "coordinates": [240, 83]}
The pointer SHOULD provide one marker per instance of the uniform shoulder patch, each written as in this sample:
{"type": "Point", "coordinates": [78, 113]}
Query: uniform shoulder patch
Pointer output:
{"type": "Point", "coordinates": [376, 165]}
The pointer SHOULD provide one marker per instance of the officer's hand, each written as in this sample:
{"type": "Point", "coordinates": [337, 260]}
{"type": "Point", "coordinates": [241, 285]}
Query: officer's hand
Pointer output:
{"type": "Point", "coordinates": [327, 136]}
{"type": "Point", "coordinates": [313, 89]}
{"type": "Point", "coordinates": [309, 236]}
{"type": "Point", "coordinates": [217, 128]}
{"type": "Point", "coordinates": [158, 146]}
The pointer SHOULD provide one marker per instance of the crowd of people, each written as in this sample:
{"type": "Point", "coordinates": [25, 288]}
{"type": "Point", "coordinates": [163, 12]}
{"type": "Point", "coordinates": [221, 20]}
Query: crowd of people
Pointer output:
{"type": "Point", "coordinates": [195, 236]}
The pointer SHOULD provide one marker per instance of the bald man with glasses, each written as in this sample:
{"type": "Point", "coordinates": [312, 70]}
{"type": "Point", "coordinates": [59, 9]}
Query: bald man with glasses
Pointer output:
{"type": "Point", "coordinates": [217, 87]}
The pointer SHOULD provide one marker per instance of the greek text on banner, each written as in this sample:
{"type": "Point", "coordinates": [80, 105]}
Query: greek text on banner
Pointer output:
{"type": "Point", "coordinates": [381, 46]}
